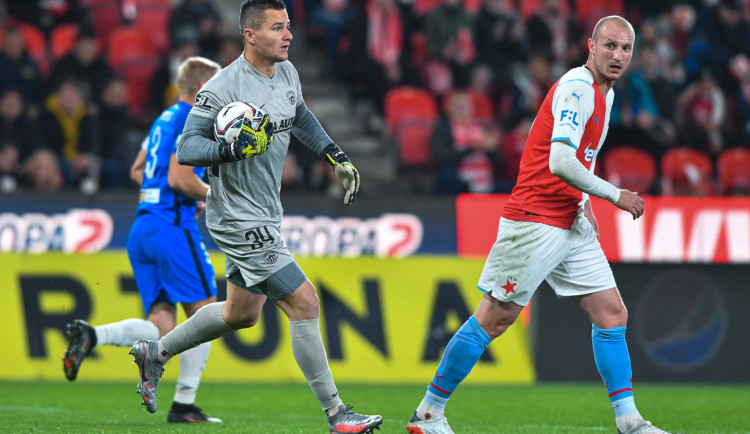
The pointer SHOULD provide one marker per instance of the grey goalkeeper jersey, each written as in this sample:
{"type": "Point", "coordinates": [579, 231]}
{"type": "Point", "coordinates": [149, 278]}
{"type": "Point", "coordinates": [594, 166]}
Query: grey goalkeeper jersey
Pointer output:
{"type": "Point", "coordinates": [246, 193]}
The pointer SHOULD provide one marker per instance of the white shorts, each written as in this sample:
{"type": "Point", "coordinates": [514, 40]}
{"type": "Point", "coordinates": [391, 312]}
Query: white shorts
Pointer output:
{"type": "Point", "coordinates": [572, 261]}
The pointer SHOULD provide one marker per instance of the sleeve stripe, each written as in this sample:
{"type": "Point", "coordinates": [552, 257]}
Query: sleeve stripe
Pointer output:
{"type": "Point", "coordinates": [564, 139]}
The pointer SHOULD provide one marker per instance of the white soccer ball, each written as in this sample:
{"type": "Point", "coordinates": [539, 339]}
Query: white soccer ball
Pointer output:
{"type": "Point", "coordinates": [229, 120]}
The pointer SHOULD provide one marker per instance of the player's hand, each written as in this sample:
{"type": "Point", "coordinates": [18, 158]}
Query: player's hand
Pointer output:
{"type": "Point", "coordinates": [200, 207]}
{"type": "Point", "coordinates": [251, 141]}
{"type": "Point", "coordinates": [631, 202]}
{"type": "Point", "coordinates": [345, 172]}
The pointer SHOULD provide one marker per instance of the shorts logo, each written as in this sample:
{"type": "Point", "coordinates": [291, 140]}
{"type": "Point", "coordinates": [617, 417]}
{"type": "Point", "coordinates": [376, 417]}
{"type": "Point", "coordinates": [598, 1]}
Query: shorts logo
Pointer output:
{"type": "Point", "coordinates": [291, 97]}
{"type": "Point", "coordinates": [270, 257]}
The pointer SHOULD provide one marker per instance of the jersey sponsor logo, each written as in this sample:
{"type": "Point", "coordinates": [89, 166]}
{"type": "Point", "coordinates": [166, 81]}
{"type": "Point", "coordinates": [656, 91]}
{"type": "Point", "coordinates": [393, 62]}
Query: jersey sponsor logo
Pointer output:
{"type": "Point", "coordinates": [569, 117]}
{"type": "Point", "coordinates": [283, 125]}
{"type": "Point", "coordinates": [291, 97]}
{"type": "Point", "coordinates": [150, 195]}
{"type": "Point", "coordinates": [590, 154]}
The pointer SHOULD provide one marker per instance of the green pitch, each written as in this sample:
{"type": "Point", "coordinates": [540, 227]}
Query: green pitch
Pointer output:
{"type": "Point", "coordinates": [290, 408]}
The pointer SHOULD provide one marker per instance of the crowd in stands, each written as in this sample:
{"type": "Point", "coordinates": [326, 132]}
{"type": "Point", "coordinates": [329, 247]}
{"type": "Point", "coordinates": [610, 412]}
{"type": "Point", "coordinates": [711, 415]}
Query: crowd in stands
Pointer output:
{"type": "Point", "coordinates": [455, 85]}
{"type": "Point", "coordinates": [486, 65]}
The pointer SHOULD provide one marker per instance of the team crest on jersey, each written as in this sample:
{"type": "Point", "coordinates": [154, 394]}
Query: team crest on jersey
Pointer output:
{"type": "Point", "coordinates": [291, 97]}
{"type": "Point", "coordinates": [270, 257]}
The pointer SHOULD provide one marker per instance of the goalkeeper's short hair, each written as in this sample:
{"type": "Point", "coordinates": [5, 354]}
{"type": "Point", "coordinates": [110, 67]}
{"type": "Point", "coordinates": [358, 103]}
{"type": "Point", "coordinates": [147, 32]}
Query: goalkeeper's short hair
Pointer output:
{"type": "Point", "coordinates": [193, 71]}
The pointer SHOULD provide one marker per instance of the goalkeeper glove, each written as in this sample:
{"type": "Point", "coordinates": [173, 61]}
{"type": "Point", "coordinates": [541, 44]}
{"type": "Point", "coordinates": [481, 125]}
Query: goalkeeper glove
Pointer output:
{"type": "Point", "coordinates": [251, 141]}
{"type": "Point", "coordinates": [345, 171]}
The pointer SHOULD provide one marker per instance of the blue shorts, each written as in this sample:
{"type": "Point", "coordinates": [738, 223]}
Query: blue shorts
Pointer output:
{"type": "Point", "coordinates": [170, 263]}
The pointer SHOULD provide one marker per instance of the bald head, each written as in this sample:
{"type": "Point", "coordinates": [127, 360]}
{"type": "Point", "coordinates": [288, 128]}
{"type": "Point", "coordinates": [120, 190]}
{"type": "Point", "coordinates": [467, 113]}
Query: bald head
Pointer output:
{"type": "Point", "coordinates": [612, 20]}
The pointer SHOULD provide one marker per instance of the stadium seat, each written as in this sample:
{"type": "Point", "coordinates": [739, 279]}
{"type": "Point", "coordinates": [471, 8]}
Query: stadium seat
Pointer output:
{"type": "Point", "coordinates": [62, 40]}
{"type": "Point", "coordinates": [155, 21]}
{"type": "Point", "coordinates": [733, 171]}
{"type": "Point", "coordinates": [630, 168]}
{"type": "Point", "coordinates": [106, 15]}
{"type": "Point", "coordinates": [686, 172]}
{"type": "Point", "coordinates": [410, 115]}
{"type": "Point", "coordinates": [129, 44]}
{"type": "Point", "coordinates": [138, 75]}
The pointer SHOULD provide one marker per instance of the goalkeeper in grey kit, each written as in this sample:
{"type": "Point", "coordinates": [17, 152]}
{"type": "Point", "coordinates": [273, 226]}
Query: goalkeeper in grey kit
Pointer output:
{"type": "Point", "coordinates": [244, 211]}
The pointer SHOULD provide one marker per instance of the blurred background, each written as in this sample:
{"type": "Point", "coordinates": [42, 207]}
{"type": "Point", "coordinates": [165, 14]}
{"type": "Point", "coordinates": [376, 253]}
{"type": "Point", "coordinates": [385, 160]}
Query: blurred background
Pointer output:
{"type": "Point", "coordinates": [432, 100]}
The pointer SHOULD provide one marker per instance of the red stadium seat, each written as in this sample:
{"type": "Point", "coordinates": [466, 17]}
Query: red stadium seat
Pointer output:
{"type": "Point", "coordinates": [135, 57]}
{"type": "Point", "coordinates": [733, 171]}
{"type": "Point", "coordinates": [129, 44]}
{"type": "Point", "coordinates": [62, 40]}
{"type": "Point", "coordinates": [106, 16]}
{"type": "Point", "coordinates": [154, 21]}
{"type": "Point", "coordinates": [410, 115]}
{"type": "Point", "coordinates": [686, 172]}
{"type": "Point", "coordinates": [630, 168]}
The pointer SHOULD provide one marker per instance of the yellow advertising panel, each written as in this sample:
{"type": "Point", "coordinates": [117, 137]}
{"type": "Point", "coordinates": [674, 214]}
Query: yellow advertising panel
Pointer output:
{"type": "Point", "coordinates": [383, 320]}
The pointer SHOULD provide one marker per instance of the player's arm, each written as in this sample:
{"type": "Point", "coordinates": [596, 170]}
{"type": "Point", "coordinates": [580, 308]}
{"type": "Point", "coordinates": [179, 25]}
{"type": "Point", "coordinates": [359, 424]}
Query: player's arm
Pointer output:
{"type": "Point", "coordinates": [182, 179]}
{"type": "Point", "coordinates": [197, 147]}
{"type": "Point", "coordinates": [308, 130]}
{"type": "Point", "coordinates": [139, 165]}
{"type": "Point", "coordinates": [564, 164]}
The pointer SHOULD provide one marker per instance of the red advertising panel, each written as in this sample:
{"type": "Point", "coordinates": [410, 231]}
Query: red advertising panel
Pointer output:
{"type": "Point", "coordinates": [673, 229]}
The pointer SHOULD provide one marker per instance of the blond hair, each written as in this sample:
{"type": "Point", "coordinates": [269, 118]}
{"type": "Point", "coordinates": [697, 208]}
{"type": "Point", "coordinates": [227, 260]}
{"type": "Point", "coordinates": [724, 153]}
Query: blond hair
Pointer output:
{"type": "Point", "coordinates": [194, 71]}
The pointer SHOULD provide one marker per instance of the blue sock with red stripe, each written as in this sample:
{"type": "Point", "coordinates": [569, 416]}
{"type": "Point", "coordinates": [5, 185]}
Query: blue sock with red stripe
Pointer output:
{"type": "Point", "coordinates": [461, 354]}
{"type": "Point", "coordinates": [613, 362]}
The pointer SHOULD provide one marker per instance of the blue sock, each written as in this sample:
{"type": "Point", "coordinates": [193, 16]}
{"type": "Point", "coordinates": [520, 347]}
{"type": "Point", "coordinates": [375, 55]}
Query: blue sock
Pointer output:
{"type": "Point", "coordinates": [461, 354]}
{"type": "Point", "coordinates": [613, 361]}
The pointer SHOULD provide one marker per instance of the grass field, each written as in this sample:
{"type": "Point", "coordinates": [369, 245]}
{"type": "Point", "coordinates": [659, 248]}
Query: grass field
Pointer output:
{"type": "Point", "coordinates": [290, 408]}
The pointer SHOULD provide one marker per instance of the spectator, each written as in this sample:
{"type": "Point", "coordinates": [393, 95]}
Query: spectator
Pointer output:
{"type": "Point", "coordinates": [62, 119]}
{"type": "Point", "coordinates": [448, 31]}
{"type": "Point", "coordinates": [373, 61]}
{"type": "Point", "coordinates": [46, 15]}
{"type": "Point", "coordinates": [636, 119]}
{"type": "Point", "coordinates": [86, 64]}
{"type": "Point", "coordinates": [201, 19]}
{"type": "Point", "coordinates": [10, 167]}
{"type": "Point", "coordinates": [332, 17]}
{"type": "Point", "coordinates": [511, 148]}
{"type": "Point", "coordinates": [701, 115]}
{"type": "Point", "coordinates": [42, 171]}
{"type": "Point", "coordinates": [558, 34]}
{"type": "Point", "coordinates": [17, 70]}
{"type": "Point", "coordinates": [528, 87]}
{"type": "Point", "coordinates": [164, 92]}
{"type": "Point", "coordinates": [15, 125]}
{"type": "Point", "coordinates": [465, 148]}
{"type": "Point", "coordinates": [114, 151]}
{"type": "Point", "coordinates": [500, 37]}
{"type": "Point", "coordinates": [231, 50]}
{"type": "Point", "coordinates": [720, 36]}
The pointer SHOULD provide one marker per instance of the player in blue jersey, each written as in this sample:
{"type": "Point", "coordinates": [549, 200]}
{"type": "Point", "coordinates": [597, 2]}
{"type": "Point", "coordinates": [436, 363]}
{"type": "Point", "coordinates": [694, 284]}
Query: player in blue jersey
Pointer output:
{"type": "Point", "coordinates": [166, 250]}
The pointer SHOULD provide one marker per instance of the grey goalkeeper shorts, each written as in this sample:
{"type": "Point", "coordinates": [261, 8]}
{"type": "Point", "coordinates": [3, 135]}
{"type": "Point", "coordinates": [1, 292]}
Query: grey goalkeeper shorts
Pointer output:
{"type": "Point", "coordinates": [259, 261]}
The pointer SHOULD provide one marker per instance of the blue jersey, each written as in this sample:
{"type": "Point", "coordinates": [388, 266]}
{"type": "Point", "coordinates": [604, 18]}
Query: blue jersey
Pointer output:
{"type": "Point", "coordinates": [157, 197]}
